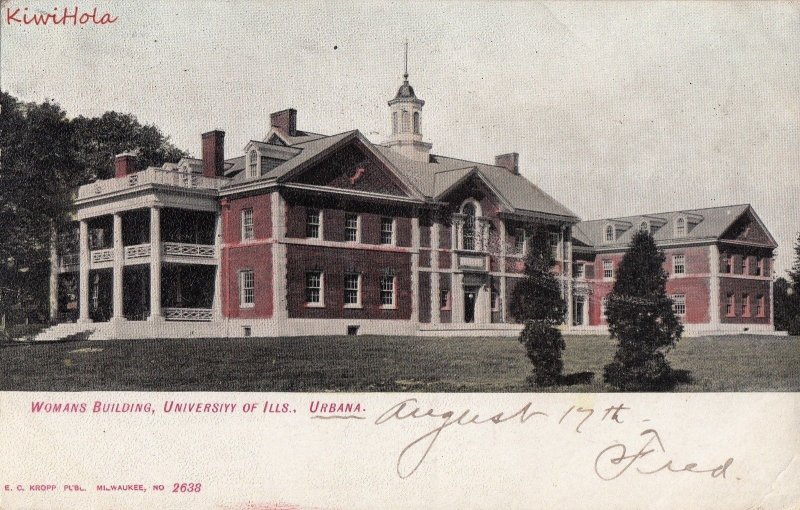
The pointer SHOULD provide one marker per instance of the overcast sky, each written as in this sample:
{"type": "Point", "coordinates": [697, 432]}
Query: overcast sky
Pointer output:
{"type": "Point", "coordinates": [615, 109]}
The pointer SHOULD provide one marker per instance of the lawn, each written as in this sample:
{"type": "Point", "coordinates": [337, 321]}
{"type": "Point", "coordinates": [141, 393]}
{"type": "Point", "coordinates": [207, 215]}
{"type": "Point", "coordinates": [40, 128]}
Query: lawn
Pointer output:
{"type": "Point", "coordinates": [374, 363]}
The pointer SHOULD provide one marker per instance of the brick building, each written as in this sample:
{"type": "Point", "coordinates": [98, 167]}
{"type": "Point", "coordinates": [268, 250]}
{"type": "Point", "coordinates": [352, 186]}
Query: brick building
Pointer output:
{"type": "Point", "coordinates": [305, 233]}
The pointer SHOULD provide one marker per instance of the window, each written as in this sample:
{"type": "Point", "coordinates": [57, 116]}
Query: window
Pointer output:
{"type": "Point", "coordinates": [759, 267]}
{"type": "Point", "coordinates": [679, 304]}
{"type": "Point", "coordinates": [580, 270]}
{"type": "Point", "coordinates": [727, 263]}
{"type": "Point", "coordinates": [247, 291]}
{"type": "Point", "coordinates": [746, 265]}
{"type": "Point", "coordinates": [609, 233]}
{"type": "Point", "coordinates": [444, 299]}
{"type": "Point", "coordinates": [394, 123]}
{"type": "Point", "coordinates": [745, 305]}
{"type": "Point", "coordinates": [314, 288]}
{"type": "Point", "coordinates": [678, 264]}
{"type": "Point", "coordinates": [468, 229]}
{"type": "Point", "coordinates": [680, 227]}
{"type": "Point", "coordinates": [406, 122]}
{"type": "Point", "coordinates": [554, 244]}
{"type": "Point", "coordinates": [644, 227]}
{"type": "Point", "coordinates": [252, 164]}
{"type": "Point", "coordinates": [247, 224]}
{"type": "Point", "coordinates": [313, 223]}
{"type": "Point", "coordinates": [760, 306]}
{"type": "Point", "coordinates": [416, 123]}
{"type": "Point", "coordinates": [495, 299]}
{"type": "Point", "coordinates": [765, 267]}
{"type": "Point", "coordinates": [608, 269]}
{"type": "Point", "coordinates": [730, 306]}
{"type": "Point", "coordinates": [351, 228]}
{"type": "Point", "coordinates": [387, 291]}
{"type": "Point", "coordinates": [352, 290]}
{"type": "Point", "coordinates": [387, 230]}
{"type": "Point", "coordinates": [604, 309]}
{"type": "Point", "coordinates": [519, 240]}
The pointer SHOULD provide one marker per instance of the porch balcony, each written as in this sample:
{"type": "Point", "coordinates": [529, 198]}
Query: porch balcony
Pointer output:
{"type": "Point", "coordinates": [471, 260]}
{"type": "Point", "coordinates": [188, 314]}
{"type": "Point", "coordinates": [150, 176]}
{"type": "Point", "coordinates": [172, 251]}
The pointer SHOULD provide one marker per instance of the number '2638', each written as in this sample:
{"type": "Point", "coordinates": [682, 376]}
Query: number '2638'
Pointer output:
{"type": "Point", "coordinates": [187, 487]}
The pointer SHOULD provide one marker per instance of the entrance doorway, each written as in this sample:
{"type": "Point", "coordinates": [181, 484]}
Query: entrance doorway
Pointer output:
{"type": "Point", "coordinates": [578, 312]}
{"type": "Point", "coordinates": [470, 298]}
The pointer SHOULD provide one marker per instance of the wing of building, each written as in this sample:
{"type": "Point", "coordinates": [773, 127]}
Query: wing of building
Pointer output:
{"type": "Point", "coordinates": [303, 233]}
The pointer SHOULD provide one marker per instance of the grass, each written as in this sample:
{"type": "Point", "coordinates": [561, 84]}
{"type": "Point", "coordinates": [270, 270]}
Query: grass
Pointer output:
{"type": "Point", "coordinates": [375, 363]}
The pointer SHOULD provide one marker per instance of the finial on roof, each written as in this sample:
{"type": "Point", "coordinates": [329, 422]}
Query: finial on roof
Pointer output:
{"type": "Point", "coordinates": [405, 74]}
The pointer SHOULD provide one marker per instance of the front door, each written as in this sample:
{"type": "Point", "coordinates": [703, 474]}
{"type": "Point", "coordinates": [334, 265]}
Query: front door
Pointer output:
{"type": "Point", "coordinates": [470, 297]}
{"type": "Point", "coordinates": [577, 314]}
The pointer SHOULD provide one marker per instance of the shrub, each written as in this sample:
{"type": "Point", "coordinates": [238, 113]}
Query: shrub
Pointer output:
{"type": "Point", "coordinates": [543, 345]}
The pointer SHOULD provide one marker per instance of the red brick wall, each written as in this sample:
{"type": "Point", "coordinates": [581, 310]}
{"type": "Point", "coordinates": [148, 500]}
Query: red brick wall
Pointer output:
{"type": "Point", "coordinates": [257, 257]}
{"type": "Point", "coordinates": [262, 219]}
{"type": "Point", "coordinates": [695, 258]}
{"type": "Point", "coordinates": [334, 262]}
{"type": "Point", "coordinates": [696, 290]}
{"type": "Point", "coordinates": [738, 287]}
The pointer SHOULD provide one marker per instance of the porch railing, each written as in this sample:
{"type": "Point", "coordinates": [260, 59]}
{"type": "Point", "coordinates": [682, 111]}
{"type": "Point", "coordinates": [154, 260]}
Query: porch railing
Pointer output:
{"type": "Point", "coordinates": [105, 255]}
{"type": "Point", "coordinates": [205, 251]}
{"type": "Point", "coordinates": [188, 314]}
{"type": "Point", "coordinates": [69, 260]}
{"type": "Point", "coordinates": [137, 251]}
{"type": "Point", "coordinates": [151, 176]}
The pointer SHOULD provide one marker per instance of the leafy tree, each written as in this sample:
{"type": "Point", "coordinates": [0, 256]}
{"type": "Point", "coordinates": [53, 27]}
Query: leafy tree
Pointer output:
{"type": "Point", "coordinates": [794, 273]}
{"type": "Point", "coordinates": [787, 306]}
{"type": "Point", "coordinates": [536, 300]}
{"type": "Point", "coordinates": [641, 318]}
{"type": "Point", "coordinates": [45, 157]}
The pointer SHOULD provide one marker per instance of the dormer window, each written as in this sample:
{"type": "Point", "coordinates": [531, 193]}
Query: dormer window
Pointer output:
{"type": "Point", "coordinates": [644, 227]}
{"type": "Point", "coordinates": [680, 227]}
{"type": "Point", "coordinates": [609, 237]}
{"type": "Point", "coordinates": [252, 163]}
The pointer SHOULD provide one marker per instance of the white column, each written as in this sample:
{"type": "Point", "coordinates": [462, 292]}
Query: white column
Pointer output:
{"type": "Point", "coordinates": [415, 268]}
{"type": "Point", "coordinates": [457, 297]}
{"type": "Point", "coordinates": [713, 286]}
{"type": "Point", "coordinates": [216, 306]}
{"type": "Point", "coordinates": [566, 255]}
{"type": "Point", "coordinates": [280, 304]}
{"type": "Point", "coordinates": [83, 268]}
{"type": "Point", "coordinates": [155, 264]}
{"type": "Point", "coordinates": [436, 315]}
{"type": "Point", "coordinates": [53, 274]}
{"type": "Point", "coordinates": [502, 267]}
{"type": "Point", "coordinates": [119, 254]}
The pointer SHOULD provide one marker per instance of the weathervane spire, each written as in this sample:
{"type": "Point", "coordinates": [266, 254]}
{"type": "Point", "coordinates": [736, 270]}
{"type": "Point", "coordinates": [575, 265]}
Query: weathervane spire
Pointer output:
{"type": "Point", "coordinates": [405, 74]}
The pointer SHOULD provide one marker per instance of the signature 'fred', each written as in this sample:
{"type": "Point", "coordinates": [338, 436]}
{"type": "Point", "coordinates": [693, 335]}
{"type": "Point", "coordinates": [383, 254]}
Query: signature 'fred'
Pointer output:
{"type": "Point", "coordinates": [614, 461]}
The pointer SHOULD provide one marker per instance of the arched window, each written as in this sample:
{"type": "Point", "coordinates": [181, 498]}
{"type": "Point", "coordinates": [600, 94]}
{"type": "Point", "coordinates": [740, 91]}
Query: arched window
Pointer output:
{"type": "Point", "coordinates": [252, 164]}
{"type": "Point", "coordinates": [644, 227]}
{"type": "Point", "coordinates": [609, 233]}
{"type": "Point", "coordinates": [416, 123]}
{"type": "Point", "coordinates": [394, 123]}
{"type": "Point", "coordinates": [468, 231]}
{"type": "Point", "coordinates": [680, 227]}
{"type": "Point", "coordinates": [406, 122]}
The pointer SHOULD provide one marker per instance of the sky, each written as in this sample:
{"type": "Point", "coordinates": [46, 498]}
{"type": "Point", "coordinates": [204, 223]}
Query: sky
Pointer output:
{"type": "Point", "coordinates": [615, 108]}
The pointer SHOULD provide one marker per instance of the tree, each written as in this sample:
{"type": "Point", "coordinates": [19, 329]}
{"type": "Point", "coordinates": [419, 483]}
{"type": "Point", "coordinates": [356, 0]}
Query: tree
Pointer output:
{"type": "Point", "coordinates": [536, 300]}
{"type": "Point", "coordinates": [641, 318]}
{"type": "Point", "coordinates": [45, 157]}
{"type": "Point", "coordinates": [794, 273]}
{"type": "Point", "coordinates": [787, 306]}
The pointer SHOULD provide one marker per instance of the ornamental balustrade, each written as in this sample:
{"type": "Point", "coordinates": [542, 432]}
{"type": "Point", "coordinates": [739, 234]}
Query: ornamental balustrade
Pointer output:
{"type": "Point", "coordinates": [151, 176]}
{"type": "Point", "coordinates": [69, 260]}
{"type": "Point", "coordinates": [188, 314]}
{"type": "Point", "coordinates": [105, 255]}
{"type": "Point", "coordinates": [137, 251]}
{"type": "Point", "coordinates": [188, 250]}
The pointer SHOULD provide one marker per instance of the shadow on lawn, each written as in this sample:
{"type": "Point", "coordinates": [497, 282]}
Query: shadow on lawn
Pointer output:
{"type": "Point", "coordinates": [576, 378]}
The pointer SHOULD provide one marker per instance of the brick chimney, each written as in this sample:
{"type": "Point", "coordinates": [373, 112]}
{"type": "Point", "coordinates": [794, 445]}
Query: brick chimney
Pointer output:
{"type": "Point", "coordinates": [508, 161]}
{"type": "Point", "coordinates": [285, 121]}
{"type": "Point", "coordinates": [124, 164]}
{"type": "Point", "coordinates": [213, 153]}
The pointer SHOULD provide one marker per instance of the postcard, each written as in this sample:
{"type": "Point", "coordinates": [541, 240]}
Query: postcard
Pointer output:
{"type": "Point", "coordinates": [399, 255]}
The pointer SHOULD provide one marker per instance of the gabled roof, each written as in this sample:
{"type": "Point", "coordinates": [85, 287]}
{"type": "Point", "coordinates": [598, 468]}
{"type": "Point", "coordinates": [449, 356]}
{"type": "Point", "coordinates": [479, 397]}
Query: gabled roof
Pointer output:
{"type": "Point", "coordinates": [704, 225]}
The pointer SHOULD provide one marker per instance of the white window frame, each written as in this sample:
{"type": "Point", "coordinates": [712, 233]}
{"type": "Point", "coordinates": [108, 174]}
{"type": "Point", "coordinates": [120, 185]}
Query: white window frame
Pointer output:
{"type": "Point", "coordinates": [393, 280]}
{"type": "Point", "coordinates": [521, 241]}
{"type": "Point", "coordinates": [382, 231]}
{"type": "Point", "coordinates": [613, 234]}
{"type": "Point", "coordinates": [644, 226]}
{"type": "Point", "coordinates": [679, 262]}
{"type": "Point", "coordinates": [608, 266]}
{"type": "Point", "coordinates": [603, 309]}
{"type": "Point", "coordinates": [555, 244]}
{"type": "Point", "coordinates": [248, 231]}
{"type": "Point", "coordinates": [679, 304]}
{"type": "Point", "coordinates": [730, 305]}
{"type": "Point", "coordinates": [318, 224]}
{"type": "Point", "coordinates": [253, 163]}
{"type": "Point", "coordinates": [321, 289]}
{"type": "Point", "coordinates": [447, 300]}
{"type": "Point", "coordinates": [761, 304]}
{"type": "Point", "coordinates": [681, 227]}
{"type": "Point", "coordinates": [746, 305]}
{"type": "Point", "coordinates": [580, 270]}
{"type": "Point", "coordinates": [247, 294]}
{"type": "Point", "coordinates": [357, 228]}
{"type": "Point", "coordinates": [345, 290]}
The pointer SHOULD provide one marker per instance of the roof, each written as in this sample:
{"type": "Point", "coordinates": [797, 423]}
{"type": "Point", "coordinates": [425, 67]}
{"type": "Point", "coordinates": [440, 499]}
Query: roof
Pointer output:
{"type": "Point", "coordinates": [432, 179]}
{"type": "Point", "coordinates": [704, 224]}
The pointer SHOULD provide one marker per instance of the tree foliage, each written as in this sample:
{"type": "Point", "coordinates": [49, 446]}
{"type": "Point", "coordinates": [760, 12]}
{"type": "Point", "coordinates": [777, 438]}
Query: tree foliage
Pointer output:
{"type": "Point", "coordinates": [786, 296]}
{"type": "Point", "coordinates": [536, 300]}
{"type": "Point", "coordinates": [45, 157]}
{"type": "Point", "coordinates": [641, 318]}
